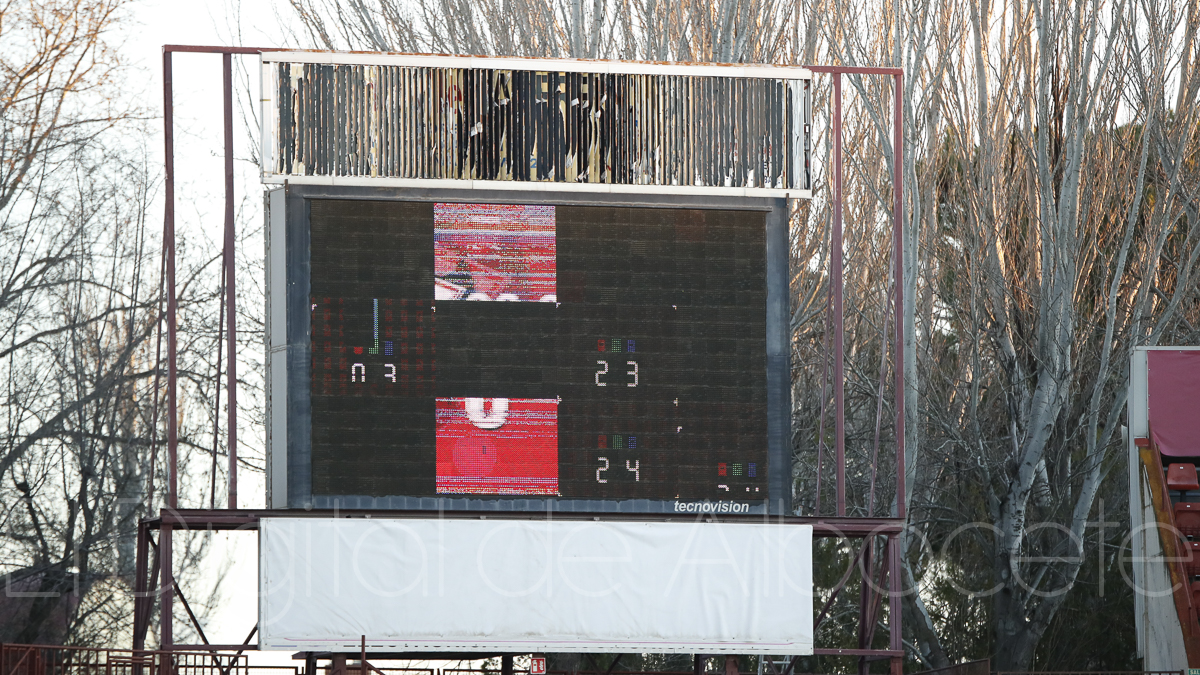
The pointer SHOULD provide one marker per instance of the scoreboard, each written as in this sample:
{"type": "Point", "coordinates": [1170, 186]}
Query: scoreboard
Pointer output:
{"type": "Point", "coordinates": [526, 351]}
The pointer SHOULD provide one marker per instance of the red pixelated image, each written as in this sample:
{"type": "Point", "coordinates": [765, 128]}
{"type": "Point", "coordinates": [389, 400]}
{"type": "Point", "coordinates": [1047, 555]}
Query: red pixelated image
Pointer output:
{"type": "Point", "coordinates": [497, 446]}
{"type": "Point", "coordinates": [496, 252]}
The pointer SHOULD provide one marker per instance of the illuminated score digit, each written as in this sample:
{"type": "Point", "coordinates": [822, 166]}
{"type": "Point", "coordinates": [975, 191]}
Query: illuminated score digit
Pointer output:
{"type": "Point", "coordinates": [391, 372]}
{"type": "Point", "coordinates": [602, 469]}
{"type": "Point", "coordinates": [636, 469]}
{"type": "Point", "coordinates": [633, 373]}
{"type": "Point", "coordinates": [616, 345]}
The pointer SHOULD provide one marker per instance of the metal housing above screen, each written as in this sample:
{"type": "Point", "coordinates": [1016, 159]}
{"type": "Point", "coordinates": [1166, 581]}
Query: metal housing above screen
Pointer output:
{"type": "Point", "coordinates": [594, 354]}
{"type": "Point", "coordinates": [536, 124]}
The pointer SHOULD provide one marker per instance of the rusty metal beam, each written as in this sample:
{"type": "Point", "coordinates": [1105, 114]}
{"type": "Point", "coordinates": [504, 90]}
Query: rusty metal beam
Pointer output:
{"type": "Point", "coordinates": [206, 49]}
{"type": "Point", "coordinates": [191, 615]}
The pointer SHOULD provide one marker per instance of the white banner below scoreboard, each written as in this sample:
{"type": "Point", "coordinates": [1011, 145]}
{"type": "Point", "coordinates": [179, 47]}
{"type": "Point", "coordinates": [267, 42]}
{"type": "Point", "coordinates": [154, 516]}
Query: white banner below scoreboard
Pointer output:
{"type": "Point", "coordinates": [534, 586]}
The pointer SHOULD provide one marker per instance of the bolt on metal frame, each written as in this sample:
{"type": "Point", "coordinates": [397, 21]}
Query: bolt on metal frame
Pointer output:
{"type": "Point", "coordinates": [157, 579]}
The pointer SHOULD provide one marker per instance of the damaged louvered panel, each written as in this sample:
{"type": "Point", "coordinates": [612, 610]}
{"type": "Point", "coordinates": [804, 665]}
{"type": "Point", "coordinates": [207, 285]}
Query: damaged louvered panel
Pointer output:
{"type": "Point", "coordinates": [357, 118]}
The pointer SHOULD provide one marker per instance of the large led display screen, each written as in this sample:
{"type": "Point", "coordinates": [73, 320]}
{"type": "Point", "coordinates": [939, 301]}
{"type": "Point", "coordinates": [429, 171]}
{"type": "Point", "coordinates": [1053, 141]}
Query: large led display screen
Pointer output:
{"type": "Point", "coordinates": [540, 351]}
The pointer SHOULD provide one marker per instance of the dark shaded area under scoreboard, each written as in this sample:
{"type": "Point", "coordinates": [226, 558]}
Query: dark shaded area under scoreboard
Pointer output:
{"type": "Point", "coordinates": [684, 289]}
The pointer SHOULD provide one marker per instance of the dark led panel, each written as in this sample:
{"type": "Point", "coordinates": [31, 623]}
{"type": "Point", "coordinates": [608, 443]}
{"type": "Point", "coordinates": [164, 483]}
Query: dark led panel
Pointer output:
{"type": "Point", "coordinates": [537, 351]}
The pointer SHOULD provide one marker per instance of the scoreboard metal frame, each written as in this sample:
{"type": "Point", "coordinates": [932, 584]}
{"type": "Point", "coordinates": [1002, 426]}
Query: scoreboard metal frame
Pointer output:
{"type": "Point", "coordinates": [154, 583]}
{"type": "Point", "coordinates": [289, 350]}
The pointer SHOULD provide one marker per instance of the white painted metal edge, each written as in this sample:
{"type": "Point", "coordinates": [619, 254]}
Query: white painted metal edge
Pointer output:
{"type": "Point", "coordinates": [542, 645]}
{"type": "Point", "coordinates": [276, 348]}
{"type": "Point", "coordinates": [796, 94]}
{"type": "Point", "coordinates": [539, 186]}
{"type": "Point", "coordinates": [540, 65]}
{"type": "Point", "coordinates": [268, 119]}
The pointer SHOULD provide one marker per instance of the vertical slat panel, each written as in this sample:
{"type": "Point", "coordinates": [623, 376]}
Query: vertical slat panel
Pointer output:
{"type": "Point", "coordinates": [426, 139]}
{"type": "Point", "coordinates": [482, 124]}
{"type": "Point", "coordinates": [405, 112]}
{"type": "Point", "coordinates": [398, 115]}
{"type": "Point", "coordinates": [339, 125]}
{"type": "Point", "coordinates": [334, 153]}
{"type": "Point", "coordinates": [689, 143]}
{"type": "Point", "coordinates": [358, 127]}
{"type": "Point", "coordinates": [304, 134]}
{"type": "Point", "coordinates": [623, 137]}
{"type": "Point", "coordinates": [666, 104]}
{"type": "Point", "coordinates": [346, 154]}
{"type": "Point", "coordinates": [324, 121]}
{"type": "Point", "coordinates": [353, 123]}
{"type": "Point", "coordinates": [311, 83]}
{"type": "Point", "coordinates": [438, 101]}
{"type": "Point", "coordinates": [499, 127]}
{"type": "Point", "coordinates": [354, 128]}
{"type": "Point", "coordinates": [412, 117]}
{"type": "Point", "coordinates": [637, 128]}
{"type": "Point", "coordinates": [395, 118]}
{"type": "Point", "coordinates": [382, 91]}
{"type": "Point", "coordinates": [419, 146]}
{"type": "Point", "coordinates": [355, 86]}
{"type": "Point", "coordinates": [712, 147]}
{"type": "Point", "coordinates": [645, 128]}
{"type": "Point", "coordinates": [516, 127]}
{"type": "Point", "coordinates": [779, 140]}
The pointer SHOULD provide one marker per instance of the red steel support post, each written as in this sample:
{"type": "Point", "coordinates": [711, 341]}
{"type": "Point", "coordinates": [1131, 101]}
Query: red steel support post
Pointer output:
{"type": "Point", "coordinates": [895, 541]}
{"type": "Point", "coordinates": [898, 264]}
{"type": "Point", "coordinates": [166, 639]}
{"type": "Point", "coordinates": [835, 287]}
{"type": "Point", "coordinates": [169, 243]}
{"type": "Point", "coordinates": [230, 280]}
{"type": "Point", "coordinates": [895, 628]}
{"type": "Point", "coordinates": [166, 620]}
{"type": "Point", "coordinates": [866, 599]}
